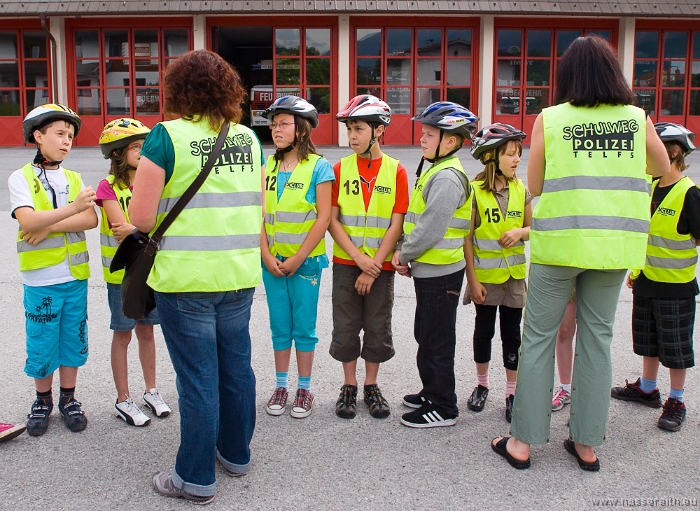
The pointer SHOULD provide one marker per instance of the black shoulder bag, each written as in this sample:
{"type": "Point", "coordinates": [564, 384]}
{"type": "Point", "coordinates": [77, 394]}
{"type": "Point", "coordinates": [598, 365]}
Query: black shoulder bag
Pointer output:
{"type": "Point", "coordinates": [136, 253]}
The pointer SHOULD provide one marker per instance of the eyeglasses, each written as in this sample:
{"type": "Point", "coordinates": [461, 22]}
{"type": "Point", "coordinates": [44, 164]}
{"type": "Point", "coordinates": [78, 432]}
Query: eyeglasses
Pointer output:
{"type": "Point", "coordinates": [282, 125]}
{"type": "Point", "coordinates": [135, 147]}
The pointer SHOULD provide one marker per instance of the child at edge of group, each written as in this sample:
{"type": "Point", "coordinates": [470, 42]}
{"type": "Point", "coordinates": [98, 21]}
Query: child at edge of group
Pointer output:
{"type": "Point", "coordinates": [432, 252]}
{"type": "Point", "coordinates": [293, 245]}
{"type": "Point", "coordinates": [366, 226]}
{"type": "Point", "coordinates": [120, 142]}
{"type": "Point", "coordinates": [495, 255]}
{"type": "Point", "coordinates": [53, 208]}
{"type": "Point", "coordinates": [663, 305]}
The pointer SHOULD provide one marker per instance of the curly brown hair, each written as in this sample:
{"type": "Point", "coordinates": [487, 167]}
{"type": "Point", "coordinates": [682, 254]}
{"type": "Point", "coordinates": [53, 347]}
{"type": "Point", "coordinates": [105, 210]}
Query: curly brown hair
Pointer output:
{"type": "Point", "coordinates": [200, 84]}
{"type": "Point", "coordinates": [119, 168]}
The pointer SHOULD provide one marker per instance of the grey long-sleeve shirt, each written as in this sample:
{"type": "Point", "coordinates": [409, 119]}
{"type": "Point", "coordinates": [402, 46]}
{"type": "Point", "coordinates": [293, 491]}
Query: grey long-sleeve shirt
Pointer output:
{"type": "Point", "coordinates": [444, 193]}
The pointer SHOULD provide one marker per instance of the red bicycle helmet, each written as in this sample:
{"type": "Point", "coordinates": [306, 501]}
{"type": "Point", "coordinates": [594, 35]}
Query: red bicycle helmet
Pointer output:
{"type": "Point", "coordinates": [493, 136]}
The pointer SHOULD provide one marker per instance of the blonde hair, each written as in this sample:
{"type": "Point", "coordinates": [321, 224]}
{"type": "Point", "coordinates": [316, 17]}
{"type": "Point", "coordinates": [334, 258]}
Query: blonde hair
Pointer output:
{"type": "Point", "coordinates": [488, 175]}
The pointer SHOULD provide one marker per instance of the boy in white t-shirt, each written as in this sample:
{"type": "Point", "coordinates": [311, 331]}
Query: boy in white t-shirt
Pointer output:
{"type": "Point", "coordinates": [53, 208]}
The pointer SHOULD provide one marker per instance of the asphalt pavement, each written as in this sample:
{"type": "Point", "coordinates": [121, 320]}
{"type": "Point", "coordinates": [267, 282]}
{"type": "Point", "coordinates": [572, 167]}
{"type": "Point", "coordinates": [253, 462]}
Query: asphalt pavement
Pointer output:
{"type": "Point", "coordinates": [324, 462]}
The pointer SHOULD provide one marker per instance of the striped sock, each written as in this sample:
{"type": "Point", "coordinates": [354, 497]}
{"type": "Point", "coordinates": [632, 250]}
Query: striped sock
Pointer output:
{"type": "Point", "coordinates": [483, 380]}
{"type": "Point", "coordinates": [647, 386]}
{"type": "Point", "coordinates": [677, 394]}
{"type": "Point", "coordinates": [283, 380]}
{"type": "Point", "coordinates": [305, 383]}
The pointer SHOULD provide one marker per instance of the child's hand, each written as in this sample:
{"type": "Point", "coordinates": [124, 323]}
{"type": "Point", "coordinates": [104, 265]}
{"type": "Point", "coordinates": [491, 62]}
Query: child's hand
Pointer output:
{"type": "Point", "coordinates": [121, 230]}
{"type": "Point", "coordinates": [85, 199]}
{"type": "Point", "coordinates": [510, 238]}
{"type": "Point", "coordinates": [290, 265]}
{"type": "Point", "coordinates": [363, 284]}
{"type": "Point", "coordinates": [402, 269]}
{"type": "Point", "coordinates": [35, 237]}
{"type": "Point", "coordinates": [477, 292]}
{"type": "Point", "coordinates": [369, 265]}
{"type": "Point", "coordinates": [272, 264]}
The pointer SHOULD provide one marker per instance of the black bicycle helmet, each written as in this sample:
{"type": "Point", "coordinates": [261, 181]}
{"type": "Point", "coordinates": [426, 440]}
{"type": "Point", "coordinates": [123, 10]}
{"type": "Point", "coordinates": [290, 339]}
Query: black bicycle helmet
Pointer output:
{"type": "Point", "coordinates": [671, 132]}
{"type": "Point", "coordinates": [295, 106]}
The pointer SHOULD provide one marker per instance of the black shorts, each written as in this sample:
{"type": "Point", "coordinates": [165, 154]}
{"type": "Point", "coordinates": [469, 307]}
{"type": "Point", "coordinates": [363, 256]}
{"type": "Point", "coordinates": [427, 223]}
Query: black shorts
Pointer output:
{"type": "Point", "coordinates": [663, 328]}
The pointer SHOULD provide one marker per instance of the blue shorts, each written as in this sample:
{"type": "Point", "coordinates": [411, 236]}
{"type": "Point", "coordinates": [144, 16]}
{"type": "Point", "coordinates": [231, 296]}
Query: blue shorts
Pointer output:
{"type": "Point", "coordinates": [120, 322]}
{"type": "Point", "coordinates": [56, 324]}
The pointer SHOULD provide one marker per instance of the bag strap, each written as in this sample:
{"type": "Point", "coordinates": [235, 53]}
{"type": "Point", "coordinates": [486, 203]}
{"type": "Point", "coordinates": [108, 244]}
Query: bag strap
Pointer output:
{"type": "Point", "coordinates": [189, 193]}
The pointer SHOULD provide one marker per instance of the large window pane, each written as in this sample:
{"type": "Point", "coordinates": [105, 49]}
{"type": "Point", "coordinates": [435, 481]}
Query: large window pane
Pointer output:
{"type": "Point", "coordinates": [34, 46]}
{"type": "Point", "coordinates": [146, 45]}
{"type": "Point", "coordinates": [148, 101]}
{"type": "Point", "coordinates": [564, 40]}
{"type": "Point", "coordinates": [86, 44]}
{"type": "Point", "coordinates": [287, 71]}
{"type": "Point", "coordinates": [399, 100]}
{"type": "Point", "coordinates": [9, 103]}
{"type": "Point", "coordinates": [644, 73]}
{"type": "Point", "coordinates": [429, 71]}
{"type": "Point", "coordinates": [398, 42]}
{"type": "Point", "coordinates": [646, 99]}
{"type": "Point", "coordinates": [458, 71]}
{"type": "Point", "coordinates": [116, 43]}
{"type": "Point", "coordinates": [508, 72]}
{"type": "Point", "coordinates": [696, 45]}
{"type": "Point", "coordinates": [539, 43]}
{"type": "Point", "coordinates": [673, 74]}
{"type": "Point", "coordinates": [459, 43]}
{"type": "Point", "coordinates": [320, 98]}
{"type": "Point", "coordinates": [36, 74]}
{"type": "Point", "coordinates": [372, 91]}
{"type": "Point", "coordinates": [117, 72]}
{"type": "Point", "coordinates": [8, 45]}
{"type": "Point", "coordinates": [459, 96]}
{"type": "Point", "coordinates": [369, 42]}
{"type": "Point", "coordinates": [538, 72]}
{"type": "Point", "coordinates": [605, 34]}
{"type": "Point", "coordinates": [694, 103]}
{"type": "Point", "coordinates": [425, 97]}
{"type": "Point", "coordinates": [118, 102]}
{"type": "Point", "coordinates": [318, 41]}
{"type": "Point", "coordinates": [675, 45]}
{"type": "Point", "coordinates": [287, 41]}
{"type": "Point", "coordinates": [146, 77]}
{"type": "Point", "coordinates": [647, 45]}
{"type": "Point", "coordinates": [368, 71]}
{"type": "Point", "coordinates": [9, 74]}
{"type": "Point", "coordinates": [89, 102]}
{"type": "Point", "coordinates": [398, 71]}
{"type": "Point", "coordinates": [36, 98]}
{"type": "Point", "coordinates": [175, 42]}
{"type": "Point", "coordinates": [88, 70]}
{"type": "Point", "coordinates": [318, 71]}
{"type": "Point", "coordinates": [508, 101]}
{"type": "Point", "coordinates": [509, 42]}
{"type": "Point", "coordinates": [672, 102]}
{"type": "Point", "coordinates": [429, 41]}
{"type": "Point", "coordinates": [695, 76]}
{"type": "Point", "coordinates": [536, 100]}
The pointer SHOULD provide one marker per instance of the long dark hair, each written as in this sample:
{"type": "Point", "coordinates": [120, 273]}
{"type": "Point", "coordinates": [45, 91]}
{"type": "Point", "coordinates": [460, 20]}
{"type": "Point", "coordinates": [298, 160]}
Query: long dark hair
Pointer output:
{"type": "Point", "coordinates": [119, 168]}
{"type": "Point", "coordinates": [305, 146]}
{"type": "Point", "coordinates": [589, 74]}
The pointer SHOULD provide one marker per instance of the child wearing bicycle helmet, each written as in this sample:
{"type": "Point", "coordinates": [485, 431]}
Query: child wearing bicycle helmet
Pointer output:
{"type": "Point", "coordinates": [495, 254]}
{"type": "Point", "coordinates": [663, 305]}
{"type": "Point", "coordinates": [297, 213]}
{"type": "Point", "coordinates": [369, 201]}
{"type": "Point", "coordinates": [54, 208]}
{"type": "Point", "coordinates": [432, 252]}
{"type": "Point", "coordinates": [120, 142]}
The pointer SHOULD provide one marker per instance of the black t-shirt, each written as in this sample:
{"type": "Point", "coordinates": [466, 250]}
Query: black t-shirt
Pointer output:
{"type": "Point", "coordinates": [688, 223]}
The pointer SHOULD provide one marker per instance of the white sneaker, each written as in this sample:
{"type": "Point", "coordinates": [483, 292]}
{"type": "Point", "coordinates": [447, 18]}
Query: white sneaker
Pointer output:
{"type": "Point", "coordinates": [156, 403]}
{"type": "Point", "coordinates": [131, 413]}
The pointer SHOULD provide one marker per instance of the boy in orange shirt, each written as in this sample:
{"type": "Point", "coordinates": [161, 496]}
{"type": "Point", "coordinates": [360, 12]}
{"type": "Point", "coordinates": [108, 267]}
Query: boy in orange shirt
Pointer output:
{"type": "Point", "coordinates": [369, 201]}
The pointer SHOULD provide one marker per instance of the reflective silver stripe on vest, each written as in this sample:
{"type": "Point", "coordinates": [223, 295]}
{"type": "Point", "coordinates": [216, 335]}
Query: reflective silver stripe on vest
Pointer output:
{"type": "Point", "coordinates": [485, 244]}
{"type": "Point", "coordinates": [210, 243]}
{"type": "Point", "coordinates": [411, 217]}
{"type": "Point", "coordinates": [79, 258]}
{"type": "Point", "coordinates": [54, 242]}
{"type": "Point", "coordinates": [449, 243]}
{"type": "Point", "coordinates": [359, 221]}
{"type": "Point", "coordinates": [75, 237]}
{"type": "Point", "coordinates": [659, 241]}
{"type": "Point", "coordinates": [292, 239]}
{"type": "Point", "coordinates": [609, 223]}
{"type": "Point", "coordinates": [269, 219]}
{"type": "Point", "coordinates": [295, 218]}
{"type": "Point", "coordinates": [373, 242]}
{"type": "Point", "coordinates": [108, 241]}
{"type": "Point", "coordinates": [562, 184]}
{"type": "Point", "coordinates": [455, 223]}
{"type": "Point", "coordinates": [270, 241]}
{"type": "Point", "coordinates": [106, 261]}
{"type": "Point", "coordinates": [671, 263]}
{"type": "Point", "coordinates": [491, 263]}
{"type": "Point", "coordinates": [357, 240]}
{"type": "Point", "coordinates": [214, 200]}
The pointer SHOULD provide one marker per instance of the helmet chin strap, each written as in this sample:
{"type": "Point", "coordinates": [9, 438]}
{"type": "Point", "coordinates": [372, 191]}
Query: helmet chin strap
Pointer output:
{"type": "Point", "coordinates": [372, 141]}
{"type": "Point", "coordinates": [437, 155]}
{"type": "Point", "coordinates": [41, 161]}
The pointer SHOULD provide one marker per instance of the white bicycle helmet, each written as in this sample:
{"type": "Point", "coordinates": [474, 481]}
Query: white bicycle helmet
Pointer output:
{"type": "Point", "coordinates": [365, 107]}
{"type": "Point", "coordinates": [671, 132]}
{"type": "Point", "coordinates": [295, 106]}
{"type": "Point", "coordinates": [45, 114]}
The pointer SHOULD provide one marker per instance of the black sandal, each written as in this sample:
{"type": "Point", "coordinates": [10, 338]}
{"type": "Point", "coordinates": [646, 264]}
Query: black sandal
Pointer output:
{"type": "Point", "coordinates": [501, 448]}
{"type": "Point", "coordinates": [589, 466]}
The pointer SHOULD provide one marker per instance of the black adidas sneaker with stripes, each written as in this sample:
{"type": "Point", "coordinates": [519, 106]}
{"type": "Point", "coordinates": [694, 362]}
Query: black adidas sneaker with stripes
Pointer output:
{"type": "Point", "coordinates": [428, 416]}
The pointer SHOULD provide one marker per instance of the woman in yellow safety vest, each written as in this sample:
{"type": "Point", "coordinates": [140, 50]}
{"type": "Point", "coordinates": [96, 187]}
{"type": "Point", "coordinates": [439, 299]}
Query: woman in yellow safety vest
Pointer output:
{"type": "Point", "coordinates": [588, 161]}
{"type": "Point", "coordinates": [297, 213]}
{"type": "Point", "coordinates": [495, 254]}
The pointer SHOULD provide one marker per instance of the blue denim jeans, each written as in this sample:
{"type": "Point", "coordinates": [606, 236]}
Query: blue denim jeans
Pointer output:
{"type": "Point", "coordinates": [209, 344]}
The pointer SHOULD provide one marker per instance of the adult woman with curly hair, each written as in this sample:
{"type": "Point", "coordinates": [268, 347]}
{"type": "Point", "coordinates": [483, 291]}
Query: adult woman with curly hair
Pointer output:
{"type": "Point", "coordinates": [206, 268]}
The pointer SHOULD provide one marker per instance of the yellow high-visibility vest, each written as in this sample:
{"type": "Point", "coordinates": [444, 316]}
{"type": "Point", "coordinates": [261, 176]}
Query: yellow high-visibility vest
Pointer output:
{"type": "Point", "coordinates": [108, 243]}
